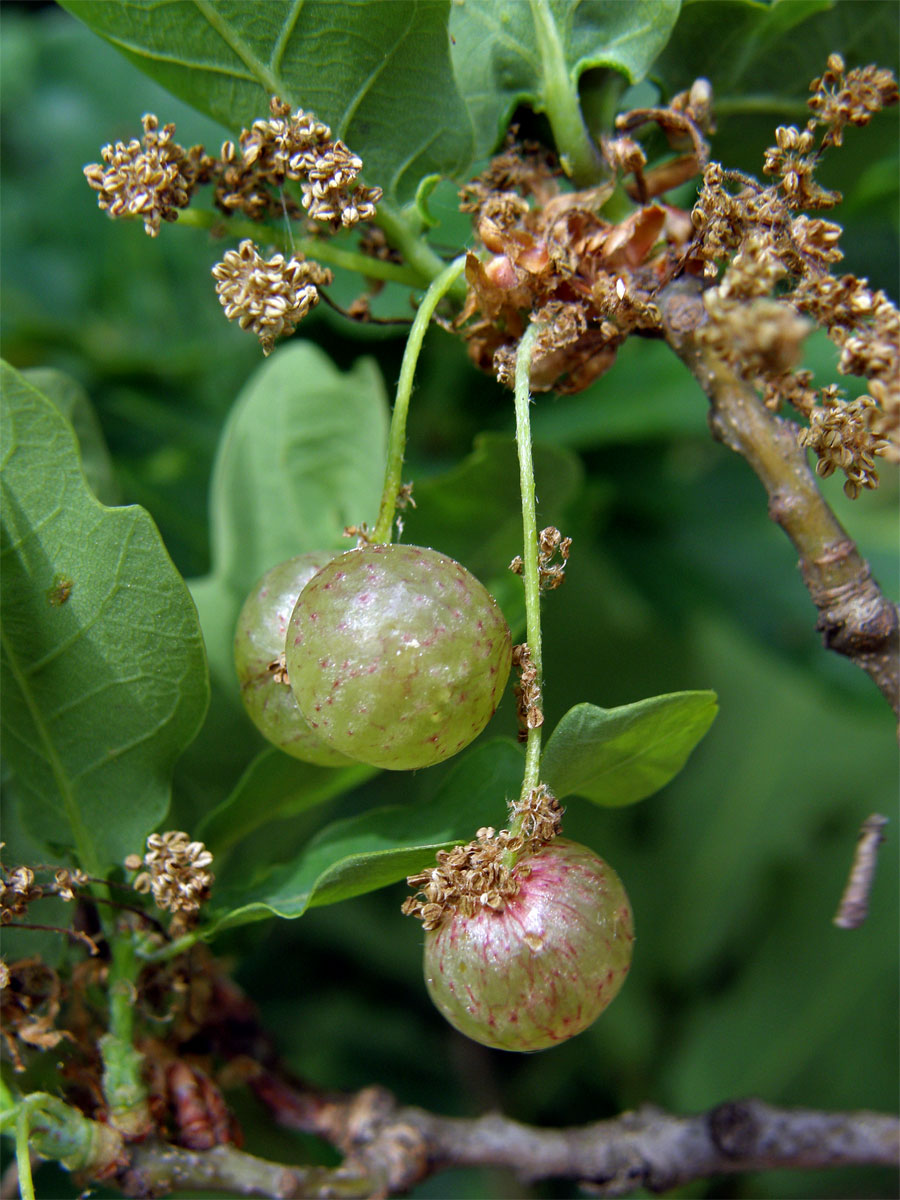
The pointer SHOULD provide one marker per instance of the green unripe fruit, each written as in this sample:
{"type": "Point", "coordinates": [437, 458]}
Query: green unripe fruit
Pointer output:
{"type": "Point", "coordinates": [544, 967]}
{"type": "Point", "coordinates": [397, 655]}
{"type": "Point", "coordinates": [259, 643]}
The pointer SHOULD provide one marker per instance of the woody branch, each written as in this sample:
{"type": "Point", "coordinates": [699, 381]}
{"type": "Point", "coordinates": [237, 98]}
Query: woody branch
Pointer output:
{"type": "Point", "coordinates": [388, 1148]}
{"type": "Point", "coordinates": [855, 618]}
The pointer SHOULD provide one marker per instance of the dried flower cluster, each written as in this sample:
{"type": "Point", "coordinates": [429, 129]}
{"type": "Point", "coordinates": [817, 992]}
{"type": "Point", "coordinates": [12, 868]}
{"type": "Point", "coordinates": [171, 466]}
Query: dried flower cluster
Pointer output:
{"type": "Point", "coordinates": [175, 872]}
{"type": "Point", "coordinates": [30, 995]}
{"type": "Point", "coordinates": [550, 544]}
{"type": "Point", "coordinates": [587, 282]}
{"type": "Point", "coordinates": [269, 296]}
{"type": "Point", "coordinates": [151, 178]}
{"type": "Point", "coordinates": [474, 876]}
{"type": "Point", "coordinates": [294, 146]}
{"type": "Point", "coordinates": [19, 888]}
{"type": "Point", "coordinates": [527, 691]}
{"type": "Point", "coordinates": [840, 434]}
{"type": "Point", "coordinates": [842, 97]}
{"type": "Point", "coordinates": [777, 281]}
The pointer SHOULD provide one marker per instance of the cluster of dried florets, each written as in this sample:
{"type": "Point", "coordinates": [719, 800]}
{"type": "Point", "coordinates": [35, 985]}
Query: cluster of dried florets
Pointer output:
{"type": "Point", "coordinates": [527, 691]}
{"type": "Point", "coordinates": [764, 244]}
{"type": "Point", "coordinates": [293, 146]}
{"type": "Point", "coordinates": [272, 296]}
{"type": "Point", "coordinates": [155, 177]}
{"type": "Point", "coordinates": [841, 435]}
{"type": "Point", "coordinates": [175, 872]}
{"type": "Point", "coordinates": [587, 282]}
{"type": "Point", "coordinates": [551, 545]}
{"type": "Point", "coordinates": [30, 1001]}
{"type": "Point", "coordinates": [19, 888]}
{"type": "Point", "coordinates": [151, 178]}
{"type": "Point", "coordinates": [477, 875]}
{"type": "Point", "coordinates": [842, 97]}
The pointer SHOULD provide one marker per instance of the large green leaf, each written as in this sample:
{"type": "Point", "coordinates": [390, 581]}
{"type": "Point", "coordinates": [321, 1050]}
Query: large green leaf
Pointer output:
{"type": "Point", "coordinates": [499, 50]}
{"type": "Point", "coordinates": [615, 756]}
{"type": "Point", "coordinates": [359, 854]}
{"type": "Point", "coordinates": [274, 787]}
{"type": "Point", "coordinates": [104, 677]}
{"type": "Point", "coordinates": [72, 401]}
{"type": "Point", "coordinates": [378, 74]}
{"type": "Point", "coordinates": [301, 457]}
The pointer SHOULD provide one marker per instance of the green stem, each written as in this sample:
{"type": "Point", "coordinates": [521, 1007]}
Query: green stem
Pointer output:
{"type": "Point", "coordinates": [415, 250]}
{"type": "Point", "coordinates": [761, 104]}
{"type": "Point", "coordinates": [123, 1086]}
{"type": "Point", "coordinates": [530, 569]}
{"type": "Point", "coordinates": [60, 1132]}
{"type": "Point", "coordinates": [23, 1154]}
{"type": "Point", "coordinates": [599, 103]}
{"type": "Point", "coordinates": [397, 442]}
{"type": "Point", "coordinates": [170, 950]}
{"type": "Point", "coordinates": [577, 152]}
{"type": "Point", "coordinates": [320, 249]}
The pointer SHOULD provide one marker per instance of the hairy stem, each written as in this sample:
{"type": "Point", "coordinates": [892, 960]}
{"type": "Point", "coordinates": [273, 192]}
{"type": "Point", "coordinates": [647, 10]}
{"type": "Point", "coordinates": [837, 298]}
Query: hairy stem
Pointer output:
{"type": "Point", "coordinates": [855, 618]}
{"type": "Point", "coordinates": [530, 567]}
{"type": "Point", "coordinates": [397, 441]}
{"type": "Point", "coordinates": [577, 152]}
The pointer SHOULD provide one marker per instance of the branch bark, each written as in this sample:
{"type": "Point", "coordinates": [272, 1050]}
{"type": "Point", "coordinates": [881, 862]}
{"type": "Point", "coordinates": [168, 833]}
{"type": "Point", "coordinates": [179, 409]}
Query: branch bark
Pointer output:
{"type": "Point", "coordinates": [855, 618]}
{"type": "Point", "coordinates": [388, 1148]}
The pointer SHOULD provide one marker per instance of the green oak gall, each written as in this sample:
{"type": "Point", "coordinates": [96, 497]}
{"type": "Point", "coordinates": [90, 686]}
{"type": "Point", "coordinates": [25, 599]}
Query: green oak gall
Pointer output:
{"type": "Point", "coordinates": [258, 655]}
{"type": "Point", "coordinates": [397, 655]}
{"type": "Point", "coordinates": [541, 968]}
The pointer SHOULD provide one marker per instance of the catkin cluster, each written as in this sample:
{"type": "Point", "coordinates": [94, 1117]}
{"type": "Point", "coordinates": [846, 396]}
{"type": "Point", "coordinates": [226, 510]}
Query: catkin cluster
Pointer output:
{"type": "Point", "coordinates": [288, 165]}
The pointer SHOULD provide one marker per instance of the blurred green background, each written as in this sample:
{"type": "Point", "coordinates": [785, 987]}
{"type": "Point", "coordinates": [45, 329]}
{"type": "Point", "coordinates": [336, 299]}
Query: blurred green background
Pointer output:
{"type": "Point", "coordinates": [740, 984]}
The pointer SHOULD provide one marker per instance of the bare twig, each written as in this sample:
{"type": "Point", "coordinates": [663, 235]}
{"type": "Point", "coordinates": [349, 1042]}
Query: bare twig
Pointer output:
{"type": "Point", "coordinates": [855, 618]}
{"type": "Point", "coordinates": [854, 906]}
{"type": "Point", "coordinates": [386, 1148]}
{"type": "Point", "coordinates": [157, 1167]}
{"type": "Point", "coordinates": [389, 1149]}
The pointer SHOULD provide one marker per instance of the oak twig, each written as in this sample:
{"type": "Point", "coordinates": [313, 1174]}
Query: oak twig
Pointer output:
{"type": "Point", "coordinates": [854, 906]}
{"type": "Point", "coordinates": [388, 1148]}
{"type": "Point", "coordinates": [855, 618]}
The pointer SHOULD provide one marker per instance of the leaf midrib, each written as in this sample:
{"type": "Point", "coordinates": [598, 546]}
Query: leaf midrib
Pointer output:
{"type": "Point", "coordinates": [83, 844]}
{"type": "Point", "coordinates": [273, 83]}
